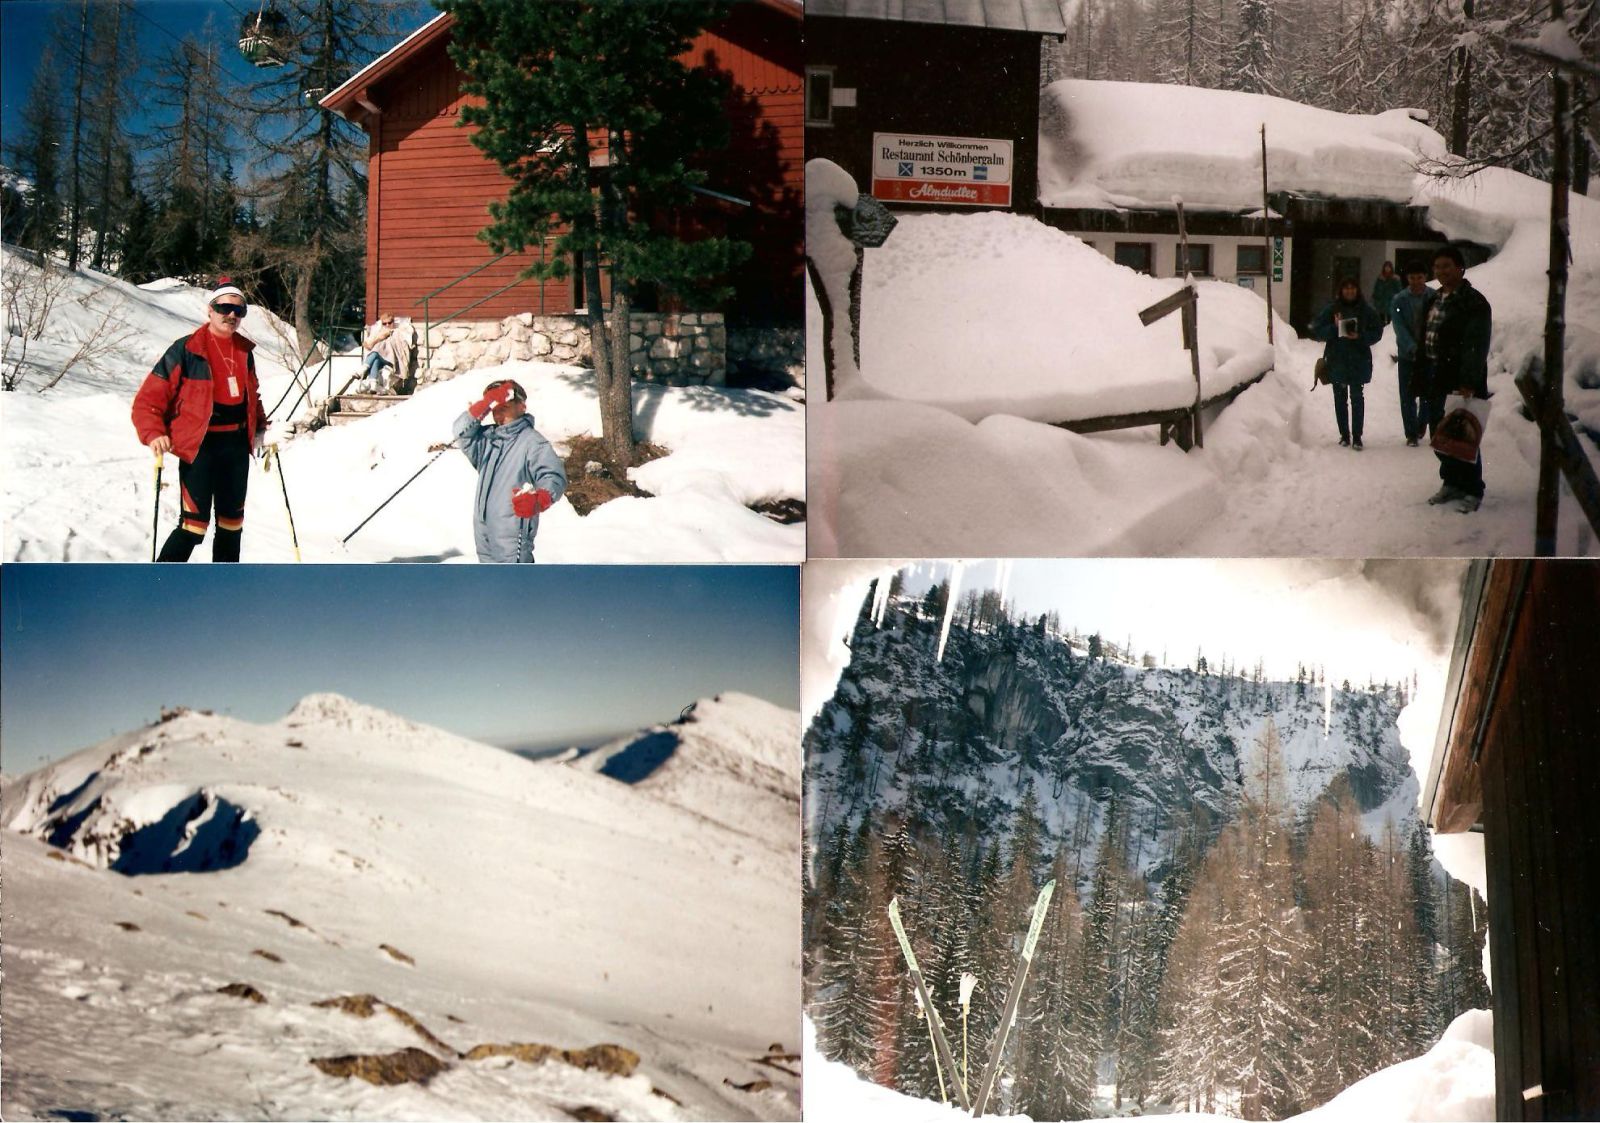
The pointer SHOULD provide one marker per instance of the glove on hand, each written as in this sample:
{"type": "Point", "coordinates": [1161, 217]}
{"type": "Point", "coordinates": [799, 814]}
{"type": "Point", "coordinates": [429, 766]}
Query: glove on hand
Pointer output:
{"type": "Point", "coordinates": [498, 396]}
{"type": "Point", "coordinates": [528, 503]}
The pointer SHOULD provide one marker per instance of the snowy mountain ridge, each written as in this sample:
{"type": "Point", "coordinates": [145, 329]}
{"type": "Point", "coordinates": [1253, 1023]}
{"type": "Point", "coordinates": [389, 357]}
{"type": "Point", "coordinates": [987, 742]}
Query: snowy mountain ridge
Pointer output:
{"type": "Point", "coordinates": [733, 759]}
{"type": "Point", "coordinates": [344, 860]}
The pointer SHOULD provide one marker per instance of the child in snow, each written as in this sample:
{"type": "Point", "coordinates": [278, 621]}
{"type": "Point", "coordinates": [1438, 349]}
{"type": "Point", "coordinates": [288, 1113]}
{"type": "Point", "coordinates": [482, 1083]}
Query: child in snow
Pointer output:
{"type": "Point", "coordinates": [519, 474]}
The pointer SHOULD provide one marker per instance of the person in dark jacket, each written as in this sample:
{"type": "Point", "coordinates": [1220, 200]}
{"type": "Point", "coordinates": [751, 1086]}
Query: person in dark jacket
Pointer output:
{"type": "Point", "coordinates": [201, 402]}
{"type": "Point", "coordinates": [1454, 353]}
{"type": "Point", "coordinates": [1384, 290]}
{"type": "Point", "coordinates": [1408, 312]}
{"type": "Point", "coordinates": [1349, 326]}
{"type": "Point", "coordinates": [519, 474]}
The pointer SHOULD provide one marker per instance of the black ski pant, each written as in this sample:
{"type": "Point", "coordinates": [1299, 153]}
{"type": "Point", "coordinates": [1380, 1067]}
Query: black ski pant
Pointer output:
{"type": "Point", "coordinates": [1349, 407]}
{"type": "Point", "coordinates": [218, 476]}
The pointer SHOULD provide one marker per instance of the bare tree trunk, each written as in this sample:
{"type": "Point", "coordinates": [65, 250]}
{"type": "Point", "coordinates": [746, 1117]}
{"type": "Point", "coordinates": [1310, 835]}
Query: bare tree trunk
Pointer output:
{"type": "Point", "coordinates": [108, 126]}
{"type": "Point", "coordinates": [75, 226]}
{"type": "Point", "coordinates": [1461, 95]}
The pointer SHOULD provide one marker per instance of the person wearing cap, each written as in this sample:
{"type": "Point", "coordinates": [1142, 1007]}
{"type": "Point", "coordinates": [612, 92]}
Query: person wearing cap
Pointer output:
{"type": "Point", "coordinates": [201, 402]}
{"type": "Point", "coordinates": [519, 473]}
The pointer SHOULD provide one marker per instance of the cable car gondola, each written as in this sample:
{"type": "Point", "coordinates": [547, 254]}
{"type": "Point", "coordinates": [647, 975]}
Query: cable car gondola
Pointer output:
{"type": "Point", "coordinates": [264, 37]}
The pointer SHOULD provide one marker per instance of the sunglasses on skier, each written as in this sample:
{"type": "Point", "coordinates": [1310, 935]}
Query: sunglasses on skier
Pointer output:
{"type": "Point", "coordinates": [229, 310]}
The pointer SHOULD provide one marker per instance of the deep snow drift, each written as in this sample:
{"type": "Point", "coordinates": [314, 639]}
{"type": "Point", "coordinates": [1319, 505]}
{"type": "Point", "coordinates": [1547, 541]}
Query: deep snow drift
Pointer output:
{"type": "Point", "coordinates": [1451, 1083]}
{"type": "Point", "coordinates": [979, 345]}
{"type": "Point", "coordinates": [480, 899]}
{"type": "Point", "coordinates": [78, 486]}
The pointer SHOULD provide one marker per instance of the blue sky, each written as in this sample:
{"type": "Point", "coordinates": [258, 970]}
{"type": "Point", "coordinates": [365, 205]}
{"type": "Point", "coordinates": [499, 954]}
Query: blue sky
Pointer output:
{"type": "Point", "coordinates": [513, 655]}
{"type": "Point", "coordinates": [159, 25]}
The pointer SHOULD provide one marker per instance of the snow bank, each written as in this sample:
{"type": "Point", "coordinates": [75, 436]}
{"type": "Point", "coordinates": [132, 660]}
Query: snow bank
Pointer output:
{"type": "Point", "coordinates": [833, 1091]}
{"type": "Point", "coordinates": [1137, 144]}
{"type": "Point", "coordinates": [997, 313]}
{"type": "Point", "coordinates": [1452, 1083]}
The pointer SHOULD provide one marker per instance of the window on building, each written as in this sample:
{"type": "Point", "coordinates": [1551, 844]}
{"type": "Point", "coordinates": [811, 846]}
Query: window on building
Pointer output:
{"type": "Point", "coordinates": [1250, 262]}
{"type": "Point", "coordinates": [1136, 255]}
{"type": "Point", "coordinates": [819, 95]}
{"type": "Point", "coordinates": [1199, 260]}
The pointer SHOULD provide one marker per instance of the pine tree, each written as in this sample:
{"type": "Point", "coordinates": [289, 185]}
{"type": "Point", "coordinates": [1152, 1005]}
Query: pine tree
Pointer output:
{"type": "Point", "coordinates": [602, 82]}
{"type": "Point", "coordinates": [37, 156]}
{"type": "Point", "coordinates": [1341, 1043]}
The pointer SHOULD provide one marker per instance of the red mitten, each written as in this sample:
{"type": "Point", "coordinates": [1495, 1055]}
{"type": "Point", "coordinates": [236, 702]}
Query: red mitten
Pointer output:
{"type": "Point", "coordinates": [529, 504]}
{"type": "Point", "coordinates": [491, 398]}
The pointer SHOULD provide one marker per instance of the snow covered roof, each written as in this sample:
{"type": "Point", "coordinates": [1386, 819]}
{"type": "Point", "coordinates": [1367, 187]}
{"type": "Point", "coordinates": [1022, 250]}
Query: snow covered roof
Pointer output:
{"type": "Point", "coordinates": [1137, 145]}
{"type": "Point", "coordinates": [1041, 16]}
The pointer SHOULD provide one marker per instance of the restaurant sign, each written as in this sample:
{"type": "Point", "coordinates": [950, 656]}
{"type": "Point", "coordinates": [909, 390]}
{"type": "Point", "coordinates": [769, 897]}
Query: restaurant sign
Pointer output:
{"type": "Point", "coordinates": [941, 170]}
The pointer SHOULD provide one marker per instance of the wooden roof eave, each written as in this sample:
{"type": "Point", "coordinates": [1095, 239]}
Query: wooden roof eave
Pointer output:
{"type": "Point", "coordinates": [1490, 604]}
{"type": "Point", "coordinates": [353, 99]}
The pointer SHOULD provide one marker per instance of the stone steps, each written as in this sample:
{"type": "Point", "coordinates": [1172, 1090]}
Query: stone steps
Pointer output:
{"type": "Point", "coordinates": [354, 407]}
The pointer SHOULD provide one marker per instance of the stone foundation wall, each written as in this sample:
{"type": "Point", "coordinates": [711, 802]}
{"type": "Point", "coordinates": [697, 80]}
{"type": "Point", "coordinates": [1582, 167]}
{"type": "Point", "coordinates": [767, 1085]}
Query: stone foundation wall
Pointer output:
{"type": "Point", "coordinates": [767, 358]}
{"type": "Point", "coordinates": [682, 349]}
{"type": "Point", "coordinates": [679, 349]}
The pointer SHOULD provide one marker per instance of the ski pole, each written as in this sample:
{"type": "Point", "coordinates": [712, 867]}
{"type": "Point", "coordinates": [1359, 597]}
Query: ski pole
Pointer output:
{"type": "Point", "coordinates": [283, 482]}
{"type": "Point", "coordinates": [155, 519]}
{"type": "Point", "coordinates": [522, 539]}
{"type": "Point", "coordinates": [398, 490]}
{"type": "Point", "coordinates": [938, 1069]}
{"type": "Point", "coordinates": [968, 981]}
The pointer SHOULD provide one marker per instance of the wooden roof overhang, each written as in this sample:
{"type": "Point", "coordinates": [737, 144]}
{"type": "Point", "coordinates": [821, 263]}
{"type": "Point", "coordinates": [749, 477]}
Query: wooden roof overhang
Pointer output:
{"type": "Point", "coordinates": [1040, 17]}
{"type": "Point", "coordinates": [356, 99]}
{"type": "Point", "coordinates": [1490, 605]}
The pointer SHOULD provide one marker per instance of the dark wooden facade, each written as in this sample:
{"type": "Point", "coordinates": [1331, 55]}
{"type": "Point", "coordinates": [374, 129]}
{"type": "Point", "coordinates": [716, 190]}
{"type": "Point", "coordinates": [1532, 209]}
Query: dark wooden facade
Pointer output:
{"type": "Point", "coordinates": [1519, 757]}
{"type": "Point", "coordinates": [928, 79]}
{"type": "Point", "coordinates": [429, 188]}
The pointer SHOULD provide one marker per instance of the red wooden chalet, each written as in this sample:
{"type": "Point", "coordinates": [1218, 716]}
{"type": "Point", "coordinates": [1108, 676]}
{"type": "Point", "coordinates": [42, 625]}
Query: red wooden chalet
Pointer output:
{"type": "Point", "coordinates": [429, 188]}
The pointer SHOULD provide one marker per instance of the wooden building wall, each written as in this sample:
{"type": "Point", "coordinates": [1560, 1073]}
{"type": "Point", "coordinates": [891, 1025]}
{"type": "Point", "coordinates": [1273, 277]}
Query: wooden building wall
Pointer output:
{"type": "Point", "coordinates": [928, 79]}
{"type": "Point", "coordinates": [1540, 773]}
{"type": "Point", "coordinates": [429, 188]}
{"type": "Point", "coordinates": [428, 196]}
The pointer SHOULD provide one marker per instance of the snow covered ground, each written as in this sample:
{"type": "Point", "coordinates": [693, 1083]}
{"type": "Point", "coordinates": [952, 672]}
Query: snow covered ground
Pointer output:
{"type": "Point", "coordinates": [1451, 1083]}
{"type": "Point", "coordinates": [478, 898]}
{"type": "Point", "coordinates": [977, 327]}
{"type": "Point", "coordinates": [78, 485]}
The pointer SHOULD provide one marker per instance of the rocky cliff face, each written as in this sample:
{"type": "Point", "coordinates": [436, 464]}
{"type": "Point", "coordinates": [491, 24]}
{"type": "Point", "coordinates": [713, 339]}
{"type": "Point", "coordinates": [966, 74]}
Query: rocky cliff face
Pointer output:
{"type": "Point", "coordinates": [956, 743]}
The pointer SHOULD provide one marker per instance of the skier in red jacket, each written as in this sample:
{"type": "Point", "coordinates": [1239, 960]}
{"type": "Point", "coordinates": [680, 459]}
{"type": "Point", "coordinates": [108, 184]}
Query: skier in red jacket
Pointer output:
{"type": "Point", "coordinates": [201, 403]}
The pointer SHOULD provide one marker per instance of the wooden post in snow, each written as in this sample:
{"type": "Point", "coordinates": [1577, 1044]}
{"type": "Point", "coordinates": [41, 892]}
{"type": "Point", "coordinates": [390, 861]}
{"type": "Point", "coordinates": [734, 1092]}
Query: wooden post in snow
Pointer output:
{"type": "Point", "coordinates": [1552, 399]}
{"type": "Point", "coordinates": [1184, 303]}
{"type": "Point", "coordinates": [1191, 324]}
{"type": "Point", "coordinates": [1266, 228]}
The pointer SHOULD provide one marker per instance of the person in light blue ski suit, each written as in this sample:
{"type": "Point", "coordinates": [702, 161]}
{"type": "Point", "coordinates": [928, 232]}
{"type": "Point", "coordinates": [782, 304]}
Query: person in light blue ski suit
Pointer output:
{"type": "Point", "coordinates": [519, 474]}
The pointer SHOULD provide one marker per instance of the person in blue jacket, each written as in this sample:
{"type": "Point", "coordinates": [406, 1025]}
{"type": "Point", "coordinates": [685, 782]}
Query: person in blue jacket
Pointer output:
{"type": "Point", "coordinates": [1349, 326]}
{"type": "Point", "coordinates": [519, 473]}
{"type": "Point", "coordinates": [1408, 311]}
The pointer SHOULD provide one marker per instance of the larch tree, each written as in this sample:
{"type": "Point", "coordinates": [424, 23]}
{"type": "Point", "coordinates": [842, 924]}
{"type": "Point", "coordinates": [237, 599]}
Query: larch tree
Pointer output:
{"type": "Point", "coordinates": [308, 164]}
{"type": "Point", "coordinates": [591, 112]}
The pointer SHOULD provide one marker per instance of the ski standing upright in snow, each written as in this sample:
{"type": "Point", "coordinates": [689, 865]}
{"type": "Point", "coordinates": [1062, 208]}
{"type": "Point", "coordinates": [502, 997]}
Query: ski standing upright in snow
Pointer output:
{"type": "Point", "coordinates": [991, 1072]}
{"type": "Point", "coordinates": [940, 1043]}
